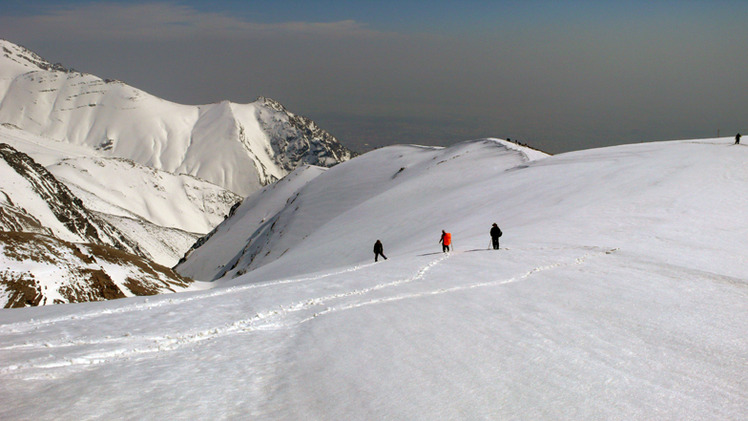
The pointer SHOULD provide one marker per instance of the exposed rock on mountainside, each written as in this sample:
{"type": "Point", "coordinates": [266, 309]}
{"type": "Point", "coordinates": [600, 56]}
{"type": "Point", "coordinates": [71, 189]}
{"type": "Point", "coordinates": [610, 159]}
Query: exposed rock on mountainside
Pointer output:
{"type": "Point", "coordinates": [298, 140]}
{"type": "Point", "coordinates": [24, 57]}
{"type": "Point", "coordinates": [14, 218]}
{"type": "Point", "coordinates": [38, 269]}
{"type": "Point", "coordinates": [54, 203]}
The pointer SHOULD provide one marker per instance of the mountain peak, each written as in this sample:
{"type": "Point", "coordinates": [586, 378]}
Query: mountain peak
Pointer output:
{"type": "Point", "coordinates": [271, 103]}
{"type": "Point", "coordinates": [26, 58]}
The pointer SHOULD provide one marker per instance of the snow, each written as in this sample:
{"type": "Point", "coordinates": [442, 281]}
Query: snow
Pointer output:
{"type": "Point", "coordinates": [256, 211]}
{"type": "Point", "coordinates": [165, 245]}
{"type": "Point", "coordinates": [19, 191]}
{"type": "Point", "coordinates": [124, 188]}
{"type": "Point", "coordinates": [222, 143]}
{"type": "Point", "coordinates": [163, 212]}
{"type": "Point", "coordinates": [620, 292]}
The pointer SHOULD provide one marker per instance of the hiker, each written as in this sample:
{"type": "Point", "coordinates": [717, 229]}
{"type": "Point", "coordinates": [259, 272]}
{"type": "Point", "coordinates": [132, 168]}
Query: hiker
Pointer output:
{"type": "Point", "coordinates": [737, 139]}
{"type": "Point", "coordinates": [446, 241]}
{"type": "Point", "coordinates": [495, 234]}
{"type": "Point", "coordinates": [378, 251]}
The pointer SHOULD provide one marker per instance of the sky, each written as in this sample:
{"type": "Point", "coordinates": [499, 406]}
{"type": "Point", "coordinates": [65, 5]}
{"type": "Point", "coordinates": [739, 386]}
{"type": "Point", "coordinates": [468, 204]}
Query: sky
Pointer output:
{"type": "Point", "coordinates": [557, 75]}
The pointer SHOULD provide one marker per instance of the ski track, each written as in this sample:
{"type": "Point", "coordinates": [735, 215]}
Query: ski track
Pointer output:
{"type": "Point", "coordinates": [132, 346]}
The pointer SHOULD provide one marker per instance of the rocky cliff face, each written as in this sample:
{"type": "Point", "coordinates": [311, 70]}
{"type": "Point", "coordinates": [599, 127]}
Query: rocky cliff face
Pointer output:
{"type": "Point", "coordinates": [297, 140]}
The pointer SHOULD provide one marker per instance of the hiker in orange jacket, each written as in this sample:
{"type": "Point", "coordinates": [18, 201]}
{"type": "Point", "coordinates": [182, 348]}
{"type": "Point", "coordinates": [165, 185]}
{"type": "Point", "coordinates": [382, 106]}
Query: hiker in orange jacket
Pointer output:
{"type": "Point", "coordinates": [446, 241]}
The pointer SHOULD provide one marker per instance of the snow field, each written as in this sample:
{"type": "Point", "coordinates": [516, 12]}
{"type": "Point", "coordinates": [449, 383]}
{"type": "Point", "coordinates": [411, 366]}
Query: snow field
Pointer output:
{"type": "Point", "coordinates": [619, 293]}
{"type": "Point", "coordinates": [515, 337]}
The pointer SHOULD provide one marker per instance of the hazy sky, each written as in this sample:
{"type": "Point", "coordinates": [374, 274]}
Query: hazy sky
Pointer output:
{"type": "Point", "coordinates": [558, 75]}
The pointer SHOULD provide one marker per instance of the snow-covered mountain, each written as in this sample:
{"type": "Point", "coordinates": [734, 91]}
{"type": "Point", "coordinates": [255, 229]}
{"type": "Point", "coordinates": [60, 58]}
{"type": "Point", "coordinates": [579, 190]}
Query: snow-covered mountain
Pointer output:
{"type": "Point", "coordinates": [33, 200]}
{"type": "Point", "coordinates": [96, 161]}
{"type": "Point", "coordinates": [619, 292]}
{"type": "Point", "coordinates": [54, 250]}
{"type": "Point", "coordinates": [240, 147]}
{"type": "Point", "coordinates": [161, 212]}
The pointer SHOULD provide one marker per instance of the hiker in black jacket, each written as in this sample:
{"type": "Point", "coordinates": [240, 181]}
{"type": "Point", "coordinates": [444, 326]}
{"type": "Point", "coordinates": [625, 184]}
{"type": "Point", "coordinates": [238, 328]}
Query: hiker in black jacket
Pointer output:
{"type": "Point", "coordinates": [737, 139]}
{"type": "Point", "coordinates": [495, 234]}
{"type": "Point", "coordinates": [379, 250]}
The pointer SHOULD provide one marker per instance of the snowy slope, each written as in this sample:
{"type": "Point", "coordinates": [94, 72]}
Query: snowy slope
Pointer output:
{"type": "Point", "coordinates": [40, 220]}
{"type": "Point", "coordinates": [250, 223]}
{"type": "Point", "coordinates": [367, 197]}
{"type": "Point", "coordinates": [240, 147]}
{"type": "Point", "coordinates": [120, 187]}
{"type": "Point", "coordinates": [620, 292]}
{"type": "Point", "coordinates": [32, 199]}
{"type": "Point", "coordinates": [162, 212]}
{"type": "Point", "coordinates": [339, 202]}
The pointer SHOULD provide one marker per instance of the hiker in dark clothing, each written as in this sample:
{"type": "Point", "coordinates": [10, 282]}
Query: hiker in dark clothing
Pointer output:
{"type": "Point", "coordinates": [495, 234]}
{"type": "Point", "coordinates": [379, 250]}
{"type": "Point", "coordinates": [737, 139]}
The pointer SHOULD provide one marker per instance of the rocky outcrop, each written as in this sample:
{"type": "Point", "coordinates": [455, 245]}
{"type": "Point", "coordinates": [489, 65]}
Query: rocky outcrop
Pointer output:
{"type": "Point", "coordinates": [297, 140]}
{"type": "Point", "coordinates": [37, 269]}
{"type": "Point", "coordinates": [61, 203]}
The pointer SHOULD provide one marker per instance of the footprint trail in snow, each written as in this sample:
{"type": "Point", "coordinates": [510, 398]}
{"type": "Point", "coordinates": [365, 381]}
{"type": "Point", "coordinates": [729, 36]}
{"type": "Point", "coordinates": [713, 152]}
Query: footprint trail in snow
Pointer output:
{"type": "Point", "coordinates": [92, 351]}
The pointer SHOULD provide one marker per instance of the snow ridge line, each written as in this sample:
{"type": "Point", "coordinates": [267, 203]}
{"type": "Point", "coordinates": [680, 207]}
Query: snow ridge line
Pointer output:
{"type": "Point", "coordinates": [146, 305]}
{"type": "Point", "coordinates": [175, 341]}
{"type": "Point", "coordinates": [578, 261]}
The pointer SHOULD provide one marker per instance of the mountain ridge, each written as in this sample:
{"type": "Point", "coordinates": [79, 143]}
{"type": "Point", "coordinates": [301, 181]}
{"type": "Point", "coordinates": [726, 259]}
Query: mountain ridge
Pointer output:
{"type": "Point", "coordinates": [241, 147]}
{"type": "Point", "coordinates": [54, 250]}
